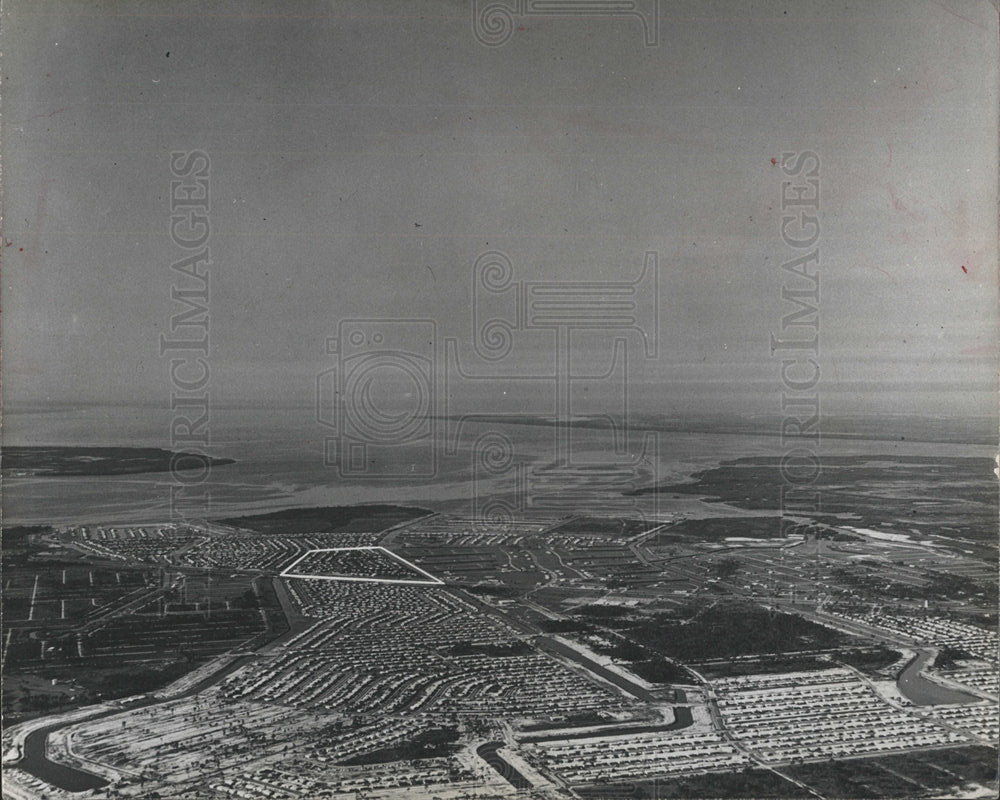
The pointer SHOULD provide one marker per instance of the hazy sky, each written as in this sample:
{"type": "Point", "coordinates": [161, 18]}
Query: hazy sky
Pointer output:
{"type": "Point", "coordinates": [336, 129]}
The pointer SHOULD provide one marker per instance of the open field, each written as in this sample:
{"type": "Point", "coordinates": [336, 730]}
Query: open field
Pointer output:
{"type": "Point", "coordinates": [80, 629]}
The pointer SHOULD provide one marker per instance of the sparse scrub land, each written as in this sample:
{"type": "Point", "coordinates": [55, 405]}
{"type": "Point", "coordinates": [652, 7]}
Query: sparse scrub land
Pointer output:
{"type": "Point", "coordinates": [757, 783]}
{"type": "Point", "coordinates": [734, 628]}
{"type": "Point", "coordinates": [931, 774]}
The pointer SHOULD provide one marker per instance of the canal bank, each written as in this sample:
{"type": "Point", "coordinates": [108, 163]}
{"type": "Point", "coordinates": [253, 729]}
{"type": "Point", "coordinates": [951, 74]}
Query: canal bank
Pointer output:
{"type": "Point", "coordinates": [922, 691]}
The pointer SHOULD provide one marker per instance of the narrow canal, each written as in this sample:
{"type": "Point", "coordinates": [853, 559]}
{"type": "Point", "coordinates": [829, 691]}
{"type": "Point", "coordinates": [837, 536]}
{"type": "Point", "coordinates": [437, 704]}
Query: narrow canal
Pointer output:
{"type": "Point", "coordinates": [488, 753]}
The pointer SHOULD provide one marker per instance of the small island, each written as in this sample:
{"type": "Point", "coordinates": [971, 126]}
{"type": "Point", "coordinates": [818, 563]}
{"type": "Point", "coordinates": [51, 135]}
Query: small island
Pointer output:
{"type": "Point", "coordinates": [63, 461]}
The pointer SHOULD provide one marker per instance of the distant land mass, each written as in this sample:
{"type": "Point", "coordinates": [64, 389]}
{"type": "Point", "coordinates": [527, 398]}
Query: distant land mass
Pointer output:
{"type": "Point", "coordinates": [63, 461]}
{"type": "Point", "coordinates": [958, 430]}
{"type": "Point", "coordinates": [921, 496]}
{"type": "Point", "coordinates": [330, 519]}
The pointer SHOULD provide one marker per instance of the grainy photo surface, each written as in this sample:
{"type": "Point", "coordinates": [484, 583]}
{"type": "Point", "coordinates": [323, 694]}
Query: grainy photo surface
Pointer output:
{"type": "Point", "coordinates": [545, 399]}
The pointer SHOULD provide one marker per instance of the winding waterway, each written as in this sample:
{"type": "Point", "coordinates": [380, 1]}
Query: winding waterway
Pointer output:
{"type": "Point", "coordinates": [923, 692]}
